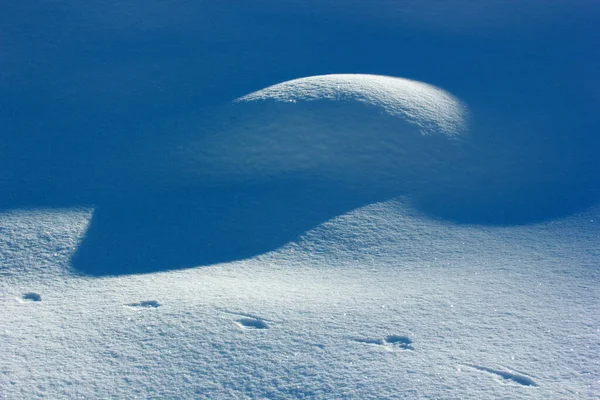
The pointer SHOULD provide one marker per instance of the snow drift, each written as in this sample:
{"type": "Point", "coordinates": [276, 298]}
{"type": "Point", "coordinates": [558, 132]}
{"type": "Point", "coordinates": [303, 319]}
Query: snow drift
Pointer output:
{"type": "Point", "coordinates": [339, 128]}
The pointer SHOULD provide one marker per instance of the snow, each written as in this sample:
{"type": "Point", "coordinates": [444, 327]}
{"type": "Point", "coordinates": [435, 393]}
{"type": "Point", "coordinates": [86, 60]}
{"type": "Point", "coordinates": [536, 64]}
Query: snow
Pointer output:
{"type": "Point", "coordinates": [381, 302]}
{"type": "Point", "coordinates": [419, 103]}
{"type": "Point", "coordinates": [283, 200]}
{"type": "Point", "coordinates": [342, 128]}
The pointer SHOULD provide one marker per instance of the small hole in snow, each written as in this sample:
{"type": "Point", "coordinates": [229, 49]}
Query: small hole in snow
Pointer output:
{"type": "Point", "coordinates": [400, 340]}
{"type": "Point", "coordinates": [251, 323]}
{"type": "Point", "coordinates": [145, 304]}
{"type": "Point", "coordinates": [403, 342]}
{"type": "Point", "coordinates": [32, 296]}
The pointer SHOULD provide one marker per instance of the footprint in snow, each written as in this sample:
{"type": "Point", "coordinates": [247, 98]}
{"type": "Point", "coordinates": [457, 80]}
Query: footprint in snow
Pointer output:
{"type": "Point", "coordinates": [31, 296]}
{"type": "Point", "coordinates": [145, 304]}
{"type": "Point", "coordinates": [391, 341]}
{"type": "Point", "coordinates": [506, 375]}
{"type": "Point", "coordinates": [248, 321]}
{"type": "Point", "coordinates": [403, 342]}
{"type": "Point", "coordinates": [252, 323]}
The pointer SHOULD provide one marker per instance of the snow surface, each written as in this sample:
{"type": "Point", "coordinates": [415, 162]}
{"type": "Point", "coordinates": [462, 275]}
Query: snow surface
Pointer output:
{"type": "Point", "coordinates": [382, 302]}
{"type": "Point", "coordinates": [337, 232]}
{"type": "Point", "coordinates": [349, 128]}
{"type": "Point", "coordinates": [426, 106]}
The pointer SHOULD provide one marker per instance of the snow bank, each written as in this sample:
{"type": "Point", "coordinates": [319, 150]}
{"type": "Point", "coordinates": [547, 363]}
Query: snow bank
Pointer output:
{"type": "Point", "coordinates": [426, 106]}
{"type": "Point", "coordinates": [332, 127]}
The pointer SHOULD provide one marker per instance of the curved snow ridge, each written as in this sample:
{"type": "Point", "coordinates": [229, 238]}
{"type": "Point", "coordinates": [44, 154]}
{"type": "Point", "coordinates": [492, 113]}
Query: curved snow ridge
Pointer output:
{"type": "Point", "coordinates": [430, 108]}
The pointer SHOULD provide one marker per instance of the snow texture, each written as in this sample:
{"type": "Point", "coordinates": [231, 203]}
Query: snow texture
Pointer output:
{"type": "Point", "coordinates": [334, 128]}
{"type": "Point", "coordinates": [209, 200]}
{"type": "Point", "coordinates": [426, 106]}
{"type": "Point", "coordinates": [382, 302]}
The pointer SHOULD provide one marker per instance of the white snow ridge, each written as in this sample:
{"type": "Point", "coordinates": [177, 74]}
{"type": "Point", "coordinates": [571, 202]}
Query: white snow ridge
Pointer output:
{"type": "Point", "coordinates": [430, 108]}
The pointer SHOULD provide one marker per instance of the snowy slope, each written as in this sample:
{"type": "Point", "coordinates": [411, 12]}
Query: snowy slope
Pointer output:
{"type": "Point", "coordinates": [281, 199]}
{"type": "Point", "coordinates": [381, 302]}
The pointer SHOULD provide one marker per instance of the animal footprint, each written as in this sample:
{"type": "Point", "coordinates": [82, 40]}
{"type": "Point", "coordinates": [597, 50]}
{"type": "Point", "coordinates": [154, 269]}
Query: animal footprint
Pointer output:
{"type": "Point", "coordinates": [145, 304]}
{"type": "Point", "coordinates": [31, 296]}
{"type": "Point", "coordinates": [506, 375]}
{"type": "Point", "coordinates": [391, 341]}
{"type": "Point", "coordinates": [248, 321]}
{"type": "Point", "coordinates": [403, 342]}
{"type": "Point", "coordinates": [252, 323]}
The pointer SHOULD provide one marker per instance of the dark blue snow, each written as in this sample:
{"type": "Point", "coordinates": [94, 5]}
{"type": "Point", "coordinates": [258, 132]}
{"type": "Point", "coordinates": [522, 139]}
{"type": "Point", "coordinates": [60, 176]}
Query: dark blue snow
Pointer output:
{"type": "Point", "coordinates": [93, 94]}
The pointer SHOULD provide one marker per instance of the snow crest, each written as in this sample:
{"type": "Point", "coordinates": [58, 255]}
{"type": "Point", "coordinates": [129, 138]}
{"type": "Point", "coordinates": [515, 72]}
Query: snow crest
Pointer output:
{"type": "Point", "coordinates": [427, 106]}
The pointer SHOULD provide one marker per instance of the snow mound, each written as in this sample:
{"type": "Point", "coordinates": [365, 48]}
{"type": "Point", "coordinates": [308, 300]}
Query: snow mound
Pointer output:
{"type": "Point", "coordinates": [335, 127]}
{"type": "Point", "coordinates": [430, 108]}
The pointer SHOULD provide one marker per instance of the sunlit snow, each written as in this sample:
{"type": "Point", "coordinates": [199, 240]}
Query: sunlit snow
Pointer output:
{"type": "Point", "coordinates": [300, 200]}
